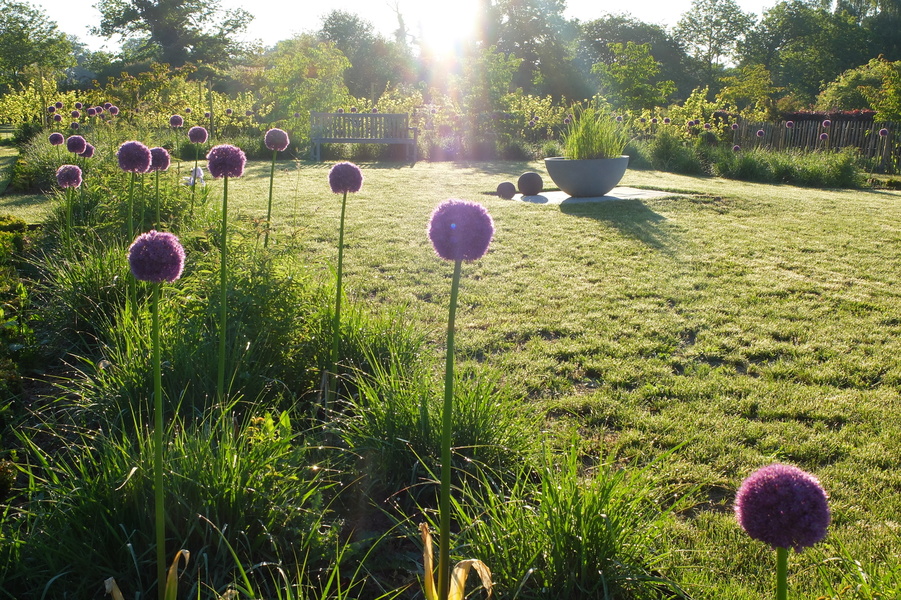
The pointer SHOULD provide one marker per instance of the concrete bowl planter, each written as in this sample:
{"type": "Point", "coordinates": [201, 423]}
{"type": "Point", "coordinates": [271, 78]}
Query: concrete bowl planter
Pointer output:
{"type": "Point", "coordinates": [586, 178]}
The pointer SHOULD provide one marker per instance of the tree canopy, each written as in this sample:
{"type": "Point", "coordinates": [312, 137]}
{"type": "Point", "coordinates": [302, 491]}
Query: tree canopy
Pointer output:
{"type": "Point", "coordinates": [29, 40]}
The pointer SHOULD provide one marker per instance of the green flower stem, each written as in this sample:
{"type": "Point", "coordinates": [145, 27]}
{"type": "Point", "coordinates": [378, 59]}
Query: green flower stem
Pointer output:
{"type": "Point", "coordinates": [336, 323]}
{"type": "Point", "coordinates": [70, 200]}
{"type": "Point", "coordinates": [132, 284]}
{"type": "Point", "coordinates": [269, 210]}
{"type": "Point", "coordinates": [446, 422]}
{"type": "Point", "coordinates": [157, 199]}
{"type": "Point", "coordinates": [781, 573]}
{"type": "Point", "coordinates": [194, 181]}
{"type": "Point", "coordinates": [160, 515]}
{"type": "Point", "coordinates": [223, 290]}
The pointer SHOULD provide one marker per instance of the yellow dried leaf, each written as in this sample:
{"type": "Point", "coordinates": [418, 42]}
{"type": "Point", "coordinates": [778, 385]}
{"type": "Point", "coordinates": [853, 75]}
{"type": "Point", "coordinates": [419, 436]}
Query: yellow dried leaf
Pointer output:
{"type": "Point", "coordinates": [113, 589]}
{"type": "Point", "coordinates": [172, 577]}
{"type": "Point", "coordinates": [461, 571]}
{"type": "Point", "coordinates": [427, 566]}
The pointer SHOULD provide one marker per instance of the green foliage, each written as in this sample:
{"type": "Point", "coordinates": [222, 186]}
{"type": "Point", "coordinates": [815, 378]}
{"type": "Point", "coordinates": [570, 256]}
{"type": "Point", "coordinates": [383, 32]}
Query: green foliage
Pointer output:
{"type": "Point", "coordinates": [253, 476]}
{"type": "Point", "coordinates": [628, 80]}
{"type": "Point", "coordinates": [594, 134]}
{"type": "Point", "coordinates": [750, 92]}
{"type": "Point", "coordinates": [710, 30]}
{"type": "Point", "coordinates": [853, 89]}
{"type": "Point", "coordinates": [810, 169]}
{"type": "Point", "coordinates": [31, 45]}
{"type": "Point", "coordinates": [575, 532]}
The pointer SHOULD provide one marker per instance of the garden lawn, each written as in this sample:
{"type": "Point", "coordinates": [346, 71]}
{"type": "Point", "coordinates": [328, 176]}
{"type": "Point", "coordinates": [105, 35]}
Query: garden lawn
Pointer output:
{"type": "Point", "coordinates": [742, 323]}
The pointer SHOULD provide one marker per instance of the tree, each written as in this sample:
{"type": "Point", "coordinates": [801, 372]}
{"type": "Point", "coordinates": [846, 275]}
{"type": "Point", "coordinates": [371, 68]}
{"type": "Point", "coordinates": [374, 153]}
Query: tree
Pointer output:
{"type": "Point", "coordinates": [710, 31]}
{"type": "Point", "coordinates": [176, 31]}
{"type": "Point", "coordinates": [751, 92]}
{"type": "Point", "coordinates": [627, 81]}
{"type": "Point", "coordinates": [375, 62]}
{"type": "Point", "coordinates": [596, 36]}
{"type": "Point", "coordinates": [30, 44]}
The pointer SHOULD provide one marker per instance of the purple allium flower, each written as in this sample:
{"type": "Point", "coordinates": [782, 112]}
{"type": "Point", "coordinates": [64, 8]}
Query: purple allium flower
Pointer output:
{"type": "Point", "coordinates": [619, 118]}
{"type": "Point", "coordinates": [824, 136]}
{"type": "Point", "coordinates": [248, 113]}
{"type": "Point", "coordinates": [156, 256]}
{"type": "Point", "coordinates": [176, 121]}
{"type": "Point", "coordinates": [76, 144]}
{"type": "Point", "coordinates": [761, 133]}
{"type": "Point", "coordinates": [642, 120]}
{"type": "Point", "coordinates": [735, 127]}
{"type": "Point", "coordinates": [107, 105]}
{"type": "Point", "coordinates": [229, 111]}
{"type": "Point", "coordinates": [827, 123]}
{"type": "Point", "coordinates": [345, 177]}
{"type": "Point", "coordinates": [460, 230]}
{"type": "Point", "coordinates": [198, 135]}
{"type": "Point", "coordinates": [58, 104]}
{"type": "Point", "coordinates": [98, 110]}
{"type": "Point", "coordinates": [75, 114]}
{"type": "Point", "coordinates": [666, 120]}
{"type": "Point", "coordinates": [706, 125]}
{"type": "Point", "coordinates": [353, 109]}
{"type": "Point", "coordinates": [297, 115]}
{"type": "Point", "coordinates": [340, 111]}
{"type": "Point", "coordinates": [783, 506]}
{"type": "Point", "coordinates": [883, 132]}
{"type": "Point", "coordinates": [654, 121]}
{"type": "Point", "coordinates": [88, 151]}
{"type": "Point", "coordinates": [91, 112]}
{"type": "Point", "coordinates": [73, 125]}
{"type": "Point", "coordinates": [114, 110]}
{"type": "Point", "coordinates": [276, 139]}
{"type": "Point", "coordinates": [57, 117]}
{"type": "Point", "coordinates": [159, 159]}
{"type": "Point", "coordinates": [68, 176]}
{"type": "Point", "coordinates": [188, 111]}
{"type": "Point", "coordinates": [56, 139]}
{"type": "Point", "coordinates": [226, 160]}
{"type": "Point", "coordinates": [736, 148]}
{"type": "Point", "coordinates": [789, 124]}
{"type": "Point", "coordinates": [79, 105]}
{"type": "Point", "coordinates": [51, 109]}
{"type": "Point", "coordinates": [566, 121]}
{"type": "Point", "coordinates": [134, 157]}
{"type": "Point", "coordinates": [375, 110]}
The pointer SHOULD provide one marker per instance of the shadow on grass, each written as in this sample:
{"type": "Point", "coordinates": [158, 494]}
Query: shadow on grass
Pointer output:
{"type": "Point", "coordinates": [631, 217]}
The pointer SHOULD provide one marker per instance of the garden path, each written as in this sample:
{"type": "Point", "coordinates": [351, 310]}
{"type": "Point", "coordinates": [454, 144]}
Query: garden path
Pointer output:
{"type": "Point", "coordinates": [617, 193]}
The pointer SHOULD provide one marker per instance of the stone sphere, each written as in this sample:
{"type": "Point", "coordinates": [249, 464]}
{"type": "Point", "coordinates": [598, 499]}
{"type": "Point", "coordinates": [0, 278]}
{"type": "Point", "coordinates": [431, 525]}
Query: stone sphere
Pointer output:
{"type": "Point", "coordinates": [506, 190]}
{"type": "Point", "coordinates": [530, 184]}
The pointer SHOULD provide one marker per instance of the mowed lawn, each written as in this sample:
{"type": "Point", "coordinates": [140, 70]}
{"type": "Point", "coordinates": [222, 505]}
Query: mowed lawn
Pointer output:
{"type": "Point", "coordinates": [738, 323]}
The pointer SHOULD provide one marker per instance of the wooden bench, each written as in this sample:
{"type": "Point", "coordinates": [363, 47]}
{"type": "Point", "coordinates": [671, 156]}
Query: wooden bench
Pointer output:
{"type": "Point", "coordinates": [361, 128]}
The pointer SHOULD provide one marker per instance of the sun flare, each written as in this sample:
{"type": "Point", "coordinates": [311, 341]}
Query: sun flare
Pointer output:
{"type": "Point", "coordinates": [442, 27]}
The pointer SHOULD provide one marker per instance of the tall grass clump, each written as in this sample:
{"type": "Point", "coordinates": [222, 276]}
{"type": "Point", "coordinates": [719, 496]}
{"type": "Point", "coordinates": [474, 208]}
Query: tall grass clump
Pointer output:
{"type": "Point", "coordinates": [566, 531]}
{"type": "Point", "coordinates": [810, 169]}
{"type": "Point", "coordinates": [91, 502]}
{"type": "Point", "coordinates": [594, 135]}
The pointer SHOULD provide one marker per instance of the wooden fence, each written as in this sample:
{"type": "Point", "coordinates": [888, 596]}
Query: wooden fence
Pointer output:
{"type": "Point", "coordinates": [884, 151]}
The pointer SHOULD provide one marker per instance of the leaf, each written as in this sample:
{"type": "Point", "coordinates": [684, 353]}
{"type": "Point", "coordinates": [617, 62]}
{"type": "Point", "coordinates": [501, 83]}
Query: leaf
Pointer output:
{"type": "Point", "coordinates": [172, 577]}
{"type": "Point", "coordinates": [427, 566]}
{"type": "Point", "coordinates": [113, 589]}
{"type": "Point", "coordinates": [461, 571]}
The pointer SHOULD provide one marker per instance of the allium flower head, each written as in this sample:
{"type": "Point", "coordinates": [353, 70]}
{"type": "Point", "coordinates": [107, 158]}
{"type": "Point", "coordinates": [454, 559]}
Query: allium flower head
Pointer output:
{"type": "Point", "coordinates": [735, 127]}
{"type": "Point", "coordinates": [736, 148]}
{"type": "Point", "coordinates": [74, 125]}
{"type": "Point", "coordinates": [99, 110]}
{"type": "Point", "coordinates": [56, 139]}
{"type": "Point", "coordinates": [297, 115]}
{"type": "Point", "coordinates": [156, 256]}
{"type": "Point", "coordinates": [706, 125]}
{"type": "Point", "coordinates": [666, 120]}
{"type": "Point", "coordinates": [460, 230]}
{"type": "Point", "coordinates": [276, 139]}
{"type": "Point", "coordinates": [134, 157]}
{"type": "Point", "coordinates": [114, 110]}
{"type": "Point", "coordinates": [76, 144]}
{"type": "Point", "coordinates": [789, 124]}
{"type": "Point", "coordinates": [229, 111]}
{"type": "Point", "coordinates": [375, 110]}
{"type": "Point", "coordinates": [783, 506]}
{"type": "Point", "coordinates": [248, 113]}
{"type": "Point", "coordinates": [107, 105]}
{"type": "Point", "coordinates": [176, 121]}
{"type": "Point", "coordinates": [760, 133]}
{"type": "Point", "coordinates": [92, 112]}
{"type": "Point", "coordinates": [226, 160]}
{"type": "Point", "coordinates": [883, 132]}
{"type": "Point", "coordinates": [340, 111]}
{"type": "Point", "coordinates": [566, 121]}
{"type": "Point", "coordinates": [58, 104]}
{"type": "Point", "coordinates": [353, 109]}
{"type": "Point", "coordinates": [345, 177]}
{"type": "Point", "coordinates": [619, 118]}
{"type": "Point", "coordinates": [642, 120]}
{"type": "Point", "coordinates": [654, 121]}
{"type": "Point", "coordinates": [206, 115]}
{"type": "Point", "coordinates": [88, 151]}
{"type": "Point", "coordinates": [51, 109]}
{"type": "Point", "coordinates": [75, 114]}
{"type": "Point", "coordinates": [198, 135]}
{"type": "Point", "coordinates": [68, 176]}
{"type": "Point", "coordinates": [79, 105]}
{"type": "Point", "coordinates": [827, 123]}
{"type": "Point", "coordinates": [57, 117]}
{"type": "Point", "coordinates": [824, 136]}
{"type": "Point", "coordinates": [159, 159]}
{"type": "Point", "coordinates": [188, 111]}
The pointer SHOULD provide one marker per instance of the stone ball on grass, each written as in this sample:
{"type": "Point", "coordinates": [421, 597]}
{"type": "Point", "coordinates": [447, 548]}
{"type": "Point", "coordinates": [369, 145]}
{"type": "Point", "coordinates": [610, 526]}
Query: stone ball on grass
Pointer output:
{"type": "Point", "coordinates": [506, 190]}
{"type": "Point", "coordinates": [530, 184]}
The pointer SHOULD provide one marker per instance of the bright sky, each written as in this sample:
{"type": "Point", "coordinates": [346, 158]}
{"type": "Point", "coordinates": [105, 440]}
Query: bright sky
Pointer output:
{"type": "Point", "coordinates": [439, 22]}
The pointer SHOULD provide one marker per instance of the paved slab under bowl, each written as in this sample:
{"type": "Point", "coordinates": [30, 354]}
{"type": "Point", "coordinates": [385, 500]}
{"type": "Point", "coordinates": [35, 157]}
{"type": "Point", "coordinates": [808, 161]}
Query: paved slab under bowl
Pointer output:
{"type": "Point", "coordinates": [617, 193]}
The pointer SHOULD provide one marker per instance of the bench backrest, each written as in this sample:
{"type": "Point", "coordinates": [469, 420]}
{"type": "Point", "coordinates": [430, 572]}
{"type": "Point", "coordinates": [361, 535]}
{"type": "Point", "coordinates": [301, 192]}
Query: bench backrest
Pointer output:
{"type": "Point", "coordinates": [370, 126]}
